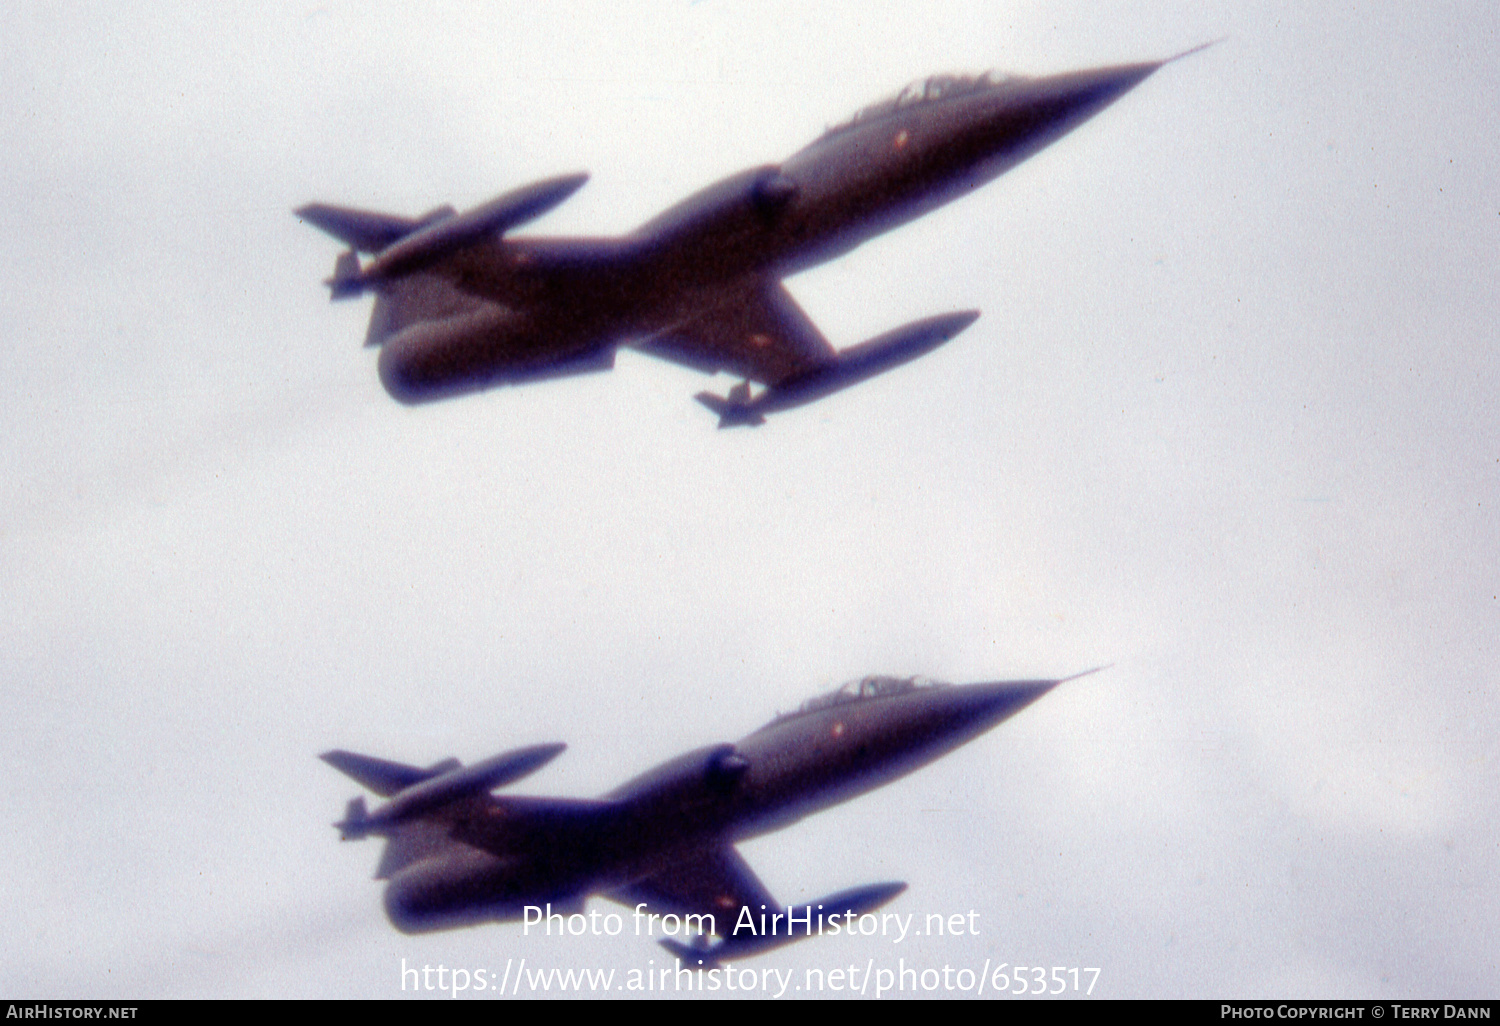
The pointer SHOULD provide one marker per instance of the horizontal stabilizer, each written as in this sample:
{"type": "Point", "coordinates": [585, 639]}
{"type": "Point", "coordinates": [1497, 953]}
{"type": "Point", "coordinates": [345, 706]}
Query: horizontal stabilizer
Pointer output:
{"type": "Point", "coordinates": [848, 905]}
{"type": "Point", "coordinates": [379, 775]}
{"type": "Point", "coordinates": [415, 793]}
{"type": "Point", "coordinates": [366, 230]}
{"type": "Point", "coordinates": [437, 240]}
{"type": "Point", "coordinates": [482, 776]}
{"type": "Point", "coordinates": [731, 413]}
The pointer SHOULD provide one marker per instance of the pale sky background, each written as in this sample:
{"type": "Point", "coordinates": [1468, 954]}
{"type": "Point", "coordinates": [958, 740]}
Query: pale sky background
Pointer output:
{"type": "Point", "coordinates": [1228, 422]}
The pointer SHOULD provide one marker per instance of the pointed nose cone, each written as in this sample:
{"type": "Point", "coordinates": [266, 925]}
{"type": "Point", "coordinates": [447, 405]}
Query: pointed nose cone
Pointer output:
{"type": "Point", "coordinates": [1076, 96]}
{"type": "Point", "coordinates": [1027, 115]}
{"type": "Point", "coordinates": [981, 706]}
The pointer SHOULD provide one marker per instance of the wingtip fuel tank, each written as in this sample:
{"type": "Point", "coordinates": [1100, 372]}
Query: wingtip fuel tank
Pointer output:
{"type": "Point", "coordinates": [849, 367]}
{"type": "Point", "coordinates": [759, 933]}
{"type": "Point", "coordinates": [404, 247]}
{"type": "Point", "coordinates": [428, 791]}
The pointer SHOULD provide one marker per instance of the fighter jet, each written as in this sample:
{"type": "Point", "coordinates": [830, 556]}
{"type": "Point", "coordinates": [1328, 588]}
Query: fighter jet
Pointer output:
{"type": "Point", "coordinates": [463, 306]}
{"type": "Point", "coordinates": [663, 843]}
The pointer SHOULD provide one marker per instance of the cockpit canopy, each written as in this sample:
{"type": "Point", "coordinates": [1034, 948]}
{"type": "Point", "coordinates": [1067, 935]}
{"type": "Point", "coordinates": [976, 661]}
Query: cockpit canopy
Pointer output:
{"type": "Point", "coordinates": [864, 689]}
{"type": "Point", "coordinates": [934, 87]}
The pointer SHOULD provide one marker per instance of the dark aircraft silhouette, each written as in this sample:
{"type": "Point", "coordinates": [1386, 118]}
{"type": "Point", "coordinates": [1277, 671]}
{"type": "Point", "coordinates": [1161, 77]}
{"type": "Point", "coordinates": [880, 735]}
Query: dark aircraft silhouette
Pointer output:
{"type": "Point", "coordinates": [663, 843]}
{"type": "Point", "coordinates": [462, 308]}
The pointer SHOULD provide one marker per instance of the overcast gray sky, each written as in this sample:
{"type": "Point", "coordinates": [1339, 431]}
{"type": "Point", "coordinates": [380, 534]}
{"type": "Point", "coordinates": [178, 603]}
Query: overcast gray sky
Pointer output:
{"type": "Point", "coordinates": [1228, 422]}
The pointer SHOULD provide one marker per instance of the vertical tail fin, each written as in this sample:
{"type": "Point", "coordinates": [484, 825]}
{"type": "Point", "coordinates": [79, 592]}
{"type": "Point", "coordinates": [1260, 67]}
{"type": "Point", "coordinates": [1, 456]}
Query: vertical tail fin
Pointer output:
{"type": "Point", "coordinates": [352, 826]}
{"type": "Point", "coordinates": [345, 283]}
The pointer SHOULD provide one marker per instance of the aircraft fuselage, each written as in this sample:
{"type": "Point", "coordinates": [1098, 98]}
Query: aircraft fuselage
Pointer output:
{"type": "Point", "coordinates": [558, 306]}
{"type": "Point", "coordinates": [699, 802]}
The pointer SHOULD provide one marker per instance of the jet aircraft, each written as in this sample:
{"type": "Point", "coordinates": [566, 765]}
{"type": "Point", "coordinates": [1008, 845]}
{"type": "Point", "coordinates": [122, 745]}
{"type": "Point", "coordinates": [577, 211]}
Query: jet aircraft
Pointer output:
{"type": "Point", "coordinates": [462, 306]}
{"type": "Point", "coordinates": [663, 843]}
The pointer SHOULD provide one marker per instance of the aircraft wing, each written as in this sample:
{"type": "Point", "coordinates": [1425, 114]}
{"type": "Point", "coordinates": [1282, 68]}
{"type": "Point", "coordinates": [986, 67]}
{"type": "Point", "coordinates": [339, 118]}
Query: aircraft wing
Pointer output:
{"type": "Point", "coordinates": [502, 825]}
{"type": "Point", "coordinates": [760, 334]}
{"type": "Point", "coordinates": [495, 822]}
{"type": "Point", "coordinates": [412, 843]}
{"type": "Point", "coordinates": [716, 881]}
